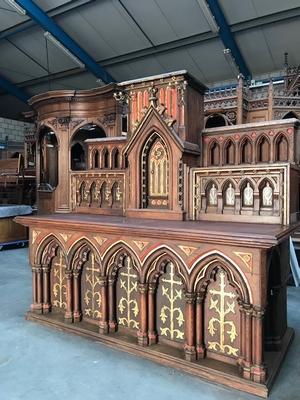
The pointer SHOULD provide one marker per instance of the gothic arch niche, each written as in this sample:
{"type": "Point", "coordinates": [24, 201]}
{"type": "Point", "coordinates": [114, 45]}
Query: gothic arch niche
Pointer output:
{"type": "Point", "coordinates": [291, 114]}
{"type": "Point", "coordinates": [263, 149]}
{"type": "Point", "coordinates": [87, 284]}
{"type": "Point", "coordinates": [167, 279]}
{"type": "Point", "coordinates": [105, 158]}
{"type": "Point", "coordinates": [155, 173]}
{"type": "Point", "coordinates": [96, 159]}
{"type": "Point", "coordinates": [246, 151]}
{"type": "Point", "coordinates": [123, 280]}
{"type": "Point", "coordinates": [220, 293]}
{"type": "Point", "coordinates": [214, 154]}
{"type": "Point", "coordinates": [48, 159]}
{"type": "Point", "coordinates": [94, 195]}
{"type": "Point", "coordinates": [211, 194]}
{"type": "Point", "coordinates": [247, 194]}
{"type": "Point", "coordinates": [281, 148]}
{"type": "Point", "coordinates": [229, 152]}
{"type": "Point", "coordinates": [266, 194]}
{"type": "Point", "coordinates": [229, 196]}
{"type": "Point", "coordinates": [115, 156]}
{"type": "Point", "coordinates": [55, 264]}
{"type": "Point", "coordinates": [105, 195]}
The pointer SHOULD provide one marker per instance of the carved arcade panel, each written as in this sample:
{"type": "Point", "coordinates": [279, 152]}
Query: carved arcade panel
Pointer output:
{"type": "Point", "coordinates": [127, 295]}
{"type": "Point", "coordinates": [170, 306]}
{"type": "Point", "coordinates": [58, 282]}
{"type": "Point", "coordinates": [222, 319]}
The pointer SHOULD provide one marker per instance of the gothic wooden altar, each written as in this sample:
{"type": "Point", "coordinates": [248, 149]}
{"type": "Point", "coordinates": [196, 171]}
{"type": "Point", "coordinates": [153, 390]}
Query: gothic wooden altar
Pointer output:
{"type": "Point", "coordinates": [161, 238]}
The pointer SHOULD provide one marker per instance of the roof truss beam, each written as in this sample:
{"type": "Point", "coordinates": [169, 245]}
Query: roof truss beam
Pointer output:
{"type": "Point", "coordinates": [48, 24]}
{"type": "Point", "coordinates": [227, 37]}
{"type": "Point", "coordinates": [13, 89]}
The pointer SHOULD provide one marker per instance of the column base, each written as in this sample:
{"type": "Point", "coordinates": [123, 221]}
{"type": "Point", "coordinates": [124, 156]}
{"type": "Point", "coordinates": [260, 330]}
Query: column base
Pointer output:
{"type": "Point", "coordinates": [68, 317]}
{"type": "Point", "coordinates": [77, 316]}
{"type": "Point", "coordinates": [201, 352]}
{"type": "Point", "coordinates": [259, 373]}
{"type": "Point", "coordinates": [246, 372]}
{"type": "Point", "coordinates": [113, 326]}
{"type": "Point", "coordinates": [152, 338]}
{"type": "Point", "coordinates": [103, 327]}
{"type": "Point", "coordinates": [190, 353]}
{"type": "Point", "coordinates": [142, 339]}
{"type": "Point", "coordinates": [36, 308]}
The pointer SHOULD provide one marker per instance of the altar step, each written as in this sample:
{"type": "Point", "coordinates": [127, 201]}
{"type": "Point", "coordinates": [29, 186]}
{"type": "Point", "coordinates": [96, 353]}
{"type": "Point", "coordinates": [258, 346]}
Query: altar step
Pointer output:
{"type": "Point", "coordinates": [207, 369]}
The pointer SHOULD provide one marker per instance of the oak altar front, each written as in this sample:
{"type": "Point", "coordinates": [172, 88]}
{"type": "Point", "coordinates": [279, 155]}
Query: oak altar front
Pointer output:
{"type": "Point", "coordinates": [160, 238]}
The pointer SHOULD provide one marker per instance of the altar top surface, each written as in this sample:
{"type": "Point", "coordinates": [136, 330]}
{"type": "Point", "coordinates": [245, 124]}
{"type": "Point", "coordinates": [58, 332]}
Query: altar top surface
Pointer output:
{"type": "Point", "coordinates": [245, 234]}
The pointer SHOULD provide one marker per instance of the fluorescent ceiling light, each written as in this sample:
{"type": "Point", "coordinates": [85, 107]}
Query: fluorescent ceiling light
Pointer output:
{"type": "Point", "coordinates": [16, 6]}
{"type": "Point", "coordinates": [231, 61]}
{"type": "Point", "coordinates": [58, 44]}
{"type": "Point", "coordinates": [208, 16]}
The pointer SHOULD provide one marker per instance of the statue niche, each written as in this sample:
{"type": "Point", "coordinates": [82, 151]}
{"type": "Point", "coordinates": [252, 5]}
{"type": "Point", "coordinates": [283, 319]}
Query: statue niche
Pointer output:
{"type": "Point", "coordinates": [157, 175]}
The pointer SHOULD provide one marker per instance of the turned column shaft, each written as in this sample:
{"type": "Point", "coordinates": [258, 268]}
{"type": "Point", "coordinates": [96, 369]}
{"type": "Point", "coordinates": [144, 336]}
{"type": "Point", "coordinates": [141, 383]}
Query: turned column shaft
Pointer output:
{"type": "Point", "coordinates": [77, 306]}
{"type": "Point", "coordinates": [190, 350]}
{"type": "Point", "coordinates": [200, 328]}
{"type": "Point", "coordinates": [112, 306]}
{"type": "Point", "coordinates": [152, 335]}
{"type": "Point", "coordinates": [143, 331]}
{"type": "Point", "coordinates": [34, 289]}
{"type": "Point", "coordinates": [39, 286]}
{"type": "Point", "coordinates": [69, 310]}
{"type": "Point", "coordinates": [46, 289]}
{"type": "Point", "coordinates": [258, 338]}
{"type": "Point", "coordinates": [248, 337]}
{"type": "Point", "coordinates": [103, 323]}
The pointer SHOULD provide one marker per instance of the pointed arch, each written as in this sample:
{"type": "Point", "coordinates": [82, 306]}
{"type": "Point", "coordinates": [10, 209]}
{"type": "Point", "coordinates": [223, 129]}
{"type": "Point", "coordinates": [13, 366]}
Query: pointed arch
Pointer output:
{"type": "Point", "coordinates": [246, 151]}
{"type": "Point", "coordinates": [115, 158]}
{"type": "Point", "coordinates": [48, 248]}
{"type": "Point", "coordinates": [95, 159]}
{"type": "Point", "coordinates": [229, 152]}
{"type": "Point", "coordinates": [246, 197]}
{"type": "Point", "coordinates": [214, 153]}
{"type": "Point", "coordinates": [228, 192]}
{"type": "Point", "coordinates": [205, 268]}
{"type": "Point", "coordinates": [79, 254]}
{"type": "Point", "coordinates": [105, 158]}
{"type": "Point", "coordinates": [156, 263]}
{"type": "Point", "coordinates": [263, 147]}
{"type": "Point", "coordinates": [266, 196]}
{"type": "Point", "coordinates": [155, 161]}
{"type": "Point", "coordinates": [281, 147]}
{"type": "Point", "coordinates": [115, 255]}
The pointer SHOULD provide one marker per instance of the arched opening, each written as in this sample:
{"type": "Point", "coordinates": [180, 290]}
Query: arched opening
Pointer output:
{"type": "Point", "coordinates": [266, 191]}
{"type": "Point", "coordinates": [281, 148]}
{"type": "Point", "coordinates": [96, 159]}
{"type": "Point", "coordinates": [215, 154]}
{"type": "Point", "coordinates": [247, 194]}
{"type": "Point", "coordinates": [229, 152]}
{"type": "Point", "coordinates": [78, 146]}
{"type": "Point", "coordinates": [263, 150]}
{"type": "Point", "coordinates": [48, 159]}
{"type": "Point", "coordinates": [155, 173]}
{"type": "Point", "coordinates": [290, 114]}
{"type": "Point", "coordinates": [115, 158]}
{"type": "Point", "coordinates": [246, 152]}
{"type": "Point", "coordinates": [215, 120]}
{"type": "Point", "coordinates": [105, 158]}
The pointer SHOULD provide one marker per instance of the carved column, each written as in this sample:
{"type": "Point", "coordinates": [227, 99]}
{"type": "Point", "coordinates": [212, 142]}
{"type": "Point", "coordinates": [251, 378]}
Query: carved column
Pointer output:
{"type": "Point", "coordinates": [76, 296]}
{"type": "Point", "coordinates": [69, 310]}
{"type": "Point", "coordinates": [152, 334]}
{"type": "Point", "coordinates": [189, 346]}
{"type": "Point", "coordinates": [143, 331]}
{"type": "Point", "coordinates": [247, 337]}
{"type": "Point", "coordinates": [200, 347]}
{"type": "Point", "coordinates": [36, 305]}
{"type": "Point", "coordinates": [258, 370]}
{"type": "Point", "coordinates": [103, 323]}
{"type": "Point", "coordinates": [240, 95]}
{"type": "Point", "coordinates": [46, 289]}
{"type": "Point", "coordinates": [112, 322]}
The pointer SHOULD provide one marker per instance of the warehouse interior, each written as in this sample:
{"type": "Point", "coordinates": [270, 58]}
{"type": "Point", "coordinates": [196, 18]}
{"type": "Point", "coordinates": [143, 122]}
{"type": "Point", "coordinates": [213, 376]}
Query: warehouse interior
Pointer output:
{"type": "Point", "coordinates": [243, 59]}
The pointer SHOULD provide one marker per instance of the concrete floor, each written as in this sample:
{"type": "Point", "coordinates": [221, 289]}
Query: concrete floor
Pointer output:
{"type": "Point", "coordinates": [39, 363]}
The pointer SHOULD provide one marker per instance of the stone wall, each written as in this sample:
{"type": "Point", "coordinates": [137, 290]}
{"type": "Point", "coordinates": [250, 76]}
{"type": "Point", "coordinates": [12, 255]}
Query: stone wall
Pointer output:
{"type": "Point", "coordinates": [15, 130]}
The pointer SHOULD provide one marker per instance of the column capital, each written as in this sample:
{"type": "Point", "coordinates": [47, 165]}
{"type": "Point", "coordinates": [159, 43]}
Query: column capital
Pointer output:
{"type": "Point", "coordinates": [152, 288]}
{"type": "Point", "coordinates": [102, 281]}
{"type": "Point", "coordinates": [258, 312]}
{"type": "Point", "coordinates": [143, 288]}
{"type": "Point", "coordinates": [190, 297]}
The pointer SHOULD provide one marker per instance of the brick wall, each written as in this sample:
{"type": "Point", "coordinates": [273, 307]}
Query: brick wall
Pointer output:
{"type": "Point", "coordinates": [15, 130]}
